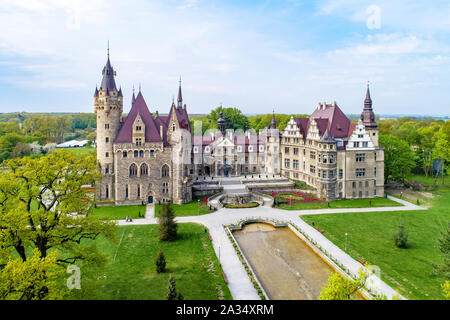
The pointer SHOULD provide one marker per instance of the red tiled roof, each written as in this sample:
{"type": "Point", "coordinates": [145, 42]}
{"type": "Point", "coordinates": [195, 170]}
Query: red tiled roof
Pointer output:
{"type": "Point", "coordinates": [338, 123]}
{"type": "Point", "coordinates": [151, 129]}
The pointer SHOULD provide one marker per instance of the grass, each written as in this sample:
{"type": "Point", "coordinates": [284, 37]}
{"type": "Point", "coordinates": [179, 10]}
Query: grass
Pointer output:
{"type": "Point", "coordinates": [356, 203]}
{"type": "Point", "coordinates": [428, 181]}
{"type": "Point", "coordinates": [370, 236]}
{"type": "Point", "coordinates": [130, 271]}
{"type": "Point", "coordinates": [118, 212]}
{"type": "Point", "coordinates": [187, 209]}
{"type": "Point", "coordinates": [83, 151]}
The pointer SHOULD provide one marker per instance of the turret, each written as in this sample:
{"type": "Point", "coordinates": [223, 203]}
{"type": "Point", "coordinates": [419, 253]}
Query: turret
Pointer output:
{"type": "Point", "coordinates": [108, 104]}
{"type": "Point", "coordinates": [221, 124]}
{"type": "Point", "coordinates": [368, 118]}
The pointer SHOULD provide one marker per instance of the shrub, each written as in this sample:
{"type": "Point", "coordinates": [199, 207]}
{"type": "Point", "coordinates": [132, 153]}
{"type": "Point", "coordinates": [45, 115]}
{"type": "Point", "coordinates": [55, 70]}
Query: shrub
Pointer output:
{"type": "Point", "coordinates": [167, 225]}
{"type": "Point", "coordinates": [160, 262]}
{"type": "Point", "coordinates": [279, 200]}
{"type": "Point", "coordinates": [401, 236]}
{"type": "Point", "coordinates": [172, 290]}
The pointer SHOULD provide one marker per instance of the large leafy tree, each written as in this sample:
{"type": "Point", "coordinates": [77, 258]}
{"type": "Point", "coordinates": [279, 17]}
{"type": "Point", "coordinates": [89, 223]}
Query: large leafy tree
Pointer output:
{"type": "Point", "coordinates": [340, 288]}
{"type": "Point", "coordinates": [43, 204]}
{"type": "Point", "coordinates": [398, 158]}
{"type": "Point", "coordinates": [234, 118]}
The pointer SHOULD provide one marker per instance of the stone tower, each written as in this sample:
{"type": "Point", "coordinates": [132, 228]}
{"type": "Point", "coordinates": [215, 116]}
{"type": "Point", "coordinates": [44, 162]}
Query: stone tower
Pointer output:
{"type": "Point", "coordinates": [368, 118]}
{"type": "Point", "coordinates": [108, 106]}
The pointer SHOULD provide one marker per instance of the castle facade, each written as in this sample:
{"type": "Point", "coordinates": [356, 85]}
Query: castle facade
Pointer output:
{"type": "Point", "coordinates": [145, 157]}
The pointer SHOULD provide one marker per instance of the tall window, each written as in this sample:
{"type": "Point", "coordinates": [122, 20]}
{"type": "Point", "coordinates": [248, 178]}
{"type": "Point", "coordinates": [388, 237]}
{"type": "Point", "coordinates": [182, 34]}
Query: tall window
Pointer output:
{"type": "Point", "coordinates": [144, 170]}
{"type": "Point", "coordinates": [287, 163]}
{"type": "Point", "coordinates": [360, 157]}
{"type": "Point", "coordinates": [165, 188]}
{"type": "Point", "coordinates": [136, 153]}
{"type": "Point", "coordinates": [360, 172]}
{"type": "Point", "coordinates": [124, 154]}
{"type": "Point", "coordinates": [139, 190]}
{"type": "Point", "coordinates": [165, 171]}
{"type": "Point", "coordinates": [141, 154]}
{"type": "Point", "coordinates": [133, 170]}
{"type": "Point", "coordinates": [126, 192]}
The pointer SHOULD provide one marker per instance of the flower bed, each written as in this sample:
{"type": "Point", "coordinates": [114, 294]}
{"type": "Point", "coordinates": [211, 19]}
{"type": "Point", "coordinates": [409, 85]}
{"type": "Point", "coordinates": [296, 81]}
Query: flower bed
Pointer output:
{"type": "Point", "coordinates": [241, 206]}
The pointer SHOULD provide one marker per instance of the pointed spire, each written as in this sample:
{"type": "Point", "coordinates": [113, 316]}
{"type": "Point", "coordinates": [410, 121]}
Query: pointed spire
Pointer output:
{"type": "Point", "coordinates": [180, 96]}
{"type": "Point", "coordinates": [368, 100]}
{"type": "Point", "coordinates": [96, 92]}
{"type": "Point", "coordinates": [119, 94]}
{"type": "Point", "coordinates": [273, 124]}
{"type": "Point", "coordinates": [133, 98]}
{"type": "Point", "coordinates": [368, 116]}
{"type": "Point", "coordinates": [108, 82]}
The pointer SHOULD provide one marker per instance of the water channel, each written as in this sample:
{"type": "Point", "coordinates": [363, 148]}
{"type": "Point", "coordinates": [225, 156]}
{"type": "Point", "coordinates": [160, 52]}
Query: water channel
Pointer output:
{"type": "Point", "coordinates": [285, 265]}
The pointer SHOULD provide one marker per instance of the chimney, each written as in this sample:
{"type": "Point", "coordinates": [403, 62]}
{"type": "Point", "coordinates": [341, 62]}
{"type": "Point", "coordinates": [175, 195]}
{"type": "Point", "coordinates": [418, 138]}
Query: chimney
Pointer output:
{"type": "Point", "coordinates": [324, 105]}
{"type": "Point", "coordinates": [161, 132]}
{"type": "Point", "coordinates": [319, 105]}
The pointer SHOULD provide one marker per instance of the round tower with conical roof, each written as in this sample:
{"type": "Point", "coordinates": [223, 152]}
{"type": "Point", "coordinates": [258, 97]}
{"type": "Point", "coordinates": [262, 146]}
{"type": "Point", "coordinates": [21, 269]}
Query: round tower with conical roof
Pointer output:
{"type": "Point", "coordinates": [108, 106]}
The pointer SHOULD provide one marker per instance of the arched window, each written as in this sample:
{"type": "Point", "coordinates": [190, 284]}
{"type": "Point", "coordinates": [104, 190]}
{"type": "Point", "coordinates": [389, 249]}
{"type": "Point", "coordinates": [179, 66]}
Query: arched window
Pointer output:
{"type": "Point", "coordinates": [165, 171]}
{"type": "Point", "coordinates": [144, 170]}
{"type": "Point", "coordinates": [135, 153]}
{"type": "Point", "coordinates": [141, 154]}
{"type": "Point", "coordinates": [125, 154]}
{"type": "Point", "coordinates": [133, 170]}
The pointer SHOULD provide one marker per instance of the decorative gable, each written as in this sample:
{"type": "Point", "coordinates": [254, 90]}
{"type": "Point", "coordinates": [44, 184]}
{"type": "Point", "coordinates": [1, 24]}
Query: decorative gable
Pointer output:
{"type": "Point", "coordinates": [360, 138]}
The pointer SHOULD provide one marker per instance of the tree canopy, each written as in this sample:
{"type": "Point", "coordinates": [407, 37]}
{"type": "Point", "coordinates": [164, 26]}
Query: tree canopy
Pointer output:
{"type": "Point", "coordinates": [43, 203]}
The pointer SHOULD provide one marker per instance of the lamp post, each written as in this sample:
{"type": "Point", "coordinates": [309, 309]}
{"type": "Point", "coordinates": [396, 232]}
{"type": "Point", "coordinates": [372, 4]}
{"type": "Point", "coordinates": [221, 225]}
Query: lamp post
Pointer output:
{"type": "Point", "coordinates": [346, 234]}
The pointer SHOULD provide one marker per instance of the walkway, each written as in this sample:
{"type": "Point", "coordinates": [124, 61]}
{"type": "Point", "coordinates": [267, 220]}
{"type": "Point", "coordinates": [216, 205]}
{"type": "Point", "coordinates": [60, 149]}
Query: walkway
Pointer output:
{"type": "Point", "coordinates": [238, 281]}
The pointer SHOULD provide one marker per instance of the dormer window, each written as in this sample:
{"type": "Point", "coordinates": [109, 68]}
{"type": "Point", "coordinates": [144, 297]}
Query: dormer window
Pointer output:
{"type": "Point", "coordinates": [138, 128]}
{"type": "Point", "coordinates": [138, 141]}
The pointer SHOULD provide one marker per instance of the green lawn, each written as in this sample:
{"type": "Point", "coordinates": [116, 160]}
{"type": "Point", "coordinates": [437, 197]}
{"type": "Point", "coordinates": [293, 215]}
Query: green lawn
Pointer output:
{"type": "Point", "coordinates": [130, 271]}
{"type": "Point", "coordinates": [118, 212]}
{"type": "Point", "coordinates": [357, 203]}
{"type": "Point", "coordinates": [188, 209]}
{"type": "Point", "coordinates": [370, 237]}
{"type": "Point", "coordinates": [429, 181]}
{"type": "Point", "coordinates": [83, 151]}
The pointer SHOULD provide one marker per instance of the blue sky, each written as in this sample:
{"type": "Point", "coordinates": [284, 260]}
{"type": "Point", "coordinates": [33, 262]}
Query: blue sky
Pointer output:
{"type": "Point", "coordinates": [255, 55]}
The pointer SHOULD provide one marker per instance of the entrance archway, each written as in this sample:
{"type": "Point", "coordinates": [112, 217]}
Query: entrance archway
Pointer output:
{"type": "Point", "coordinates": [207, 171]}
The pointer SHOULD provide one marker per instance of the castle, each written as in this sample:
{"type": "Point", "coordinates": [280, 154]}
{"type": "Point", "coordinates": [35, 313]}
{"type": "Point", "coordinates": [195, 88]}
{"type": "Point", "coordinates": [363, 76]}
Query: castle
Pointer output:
{"type": "Point", "coordinates": [145, 157]}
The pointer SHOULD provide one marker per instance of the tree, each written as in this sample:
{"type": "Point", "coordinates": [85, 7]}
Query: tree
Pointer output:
{"type": "Point", "coordinates": [446, 290]}
{"type": "Point", "coordinates": [171, 289]}
{"type": "Point", "coordinates": [21, 150]}
{"type": "Point", "coordinates": [442, 145]}
{"type": "Point", "coordinates": [43, 205]}
{"type": "Point", "coordinates": [234, 119]}
{"type": "Point", "coordinates": [340, 288]}
{"type": "Point", "coordinates": [444, 247]}
{"type": "Point", "coordinates": [32, 279]}
{"type": "Point", "coordinates": [398, 158]}
{"type": "Point", "coordinates": [160, 262]}
{"type": "Point", "coordinates": [401, 236]}
{"type": "Point", "coordinates": [167, 225]}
